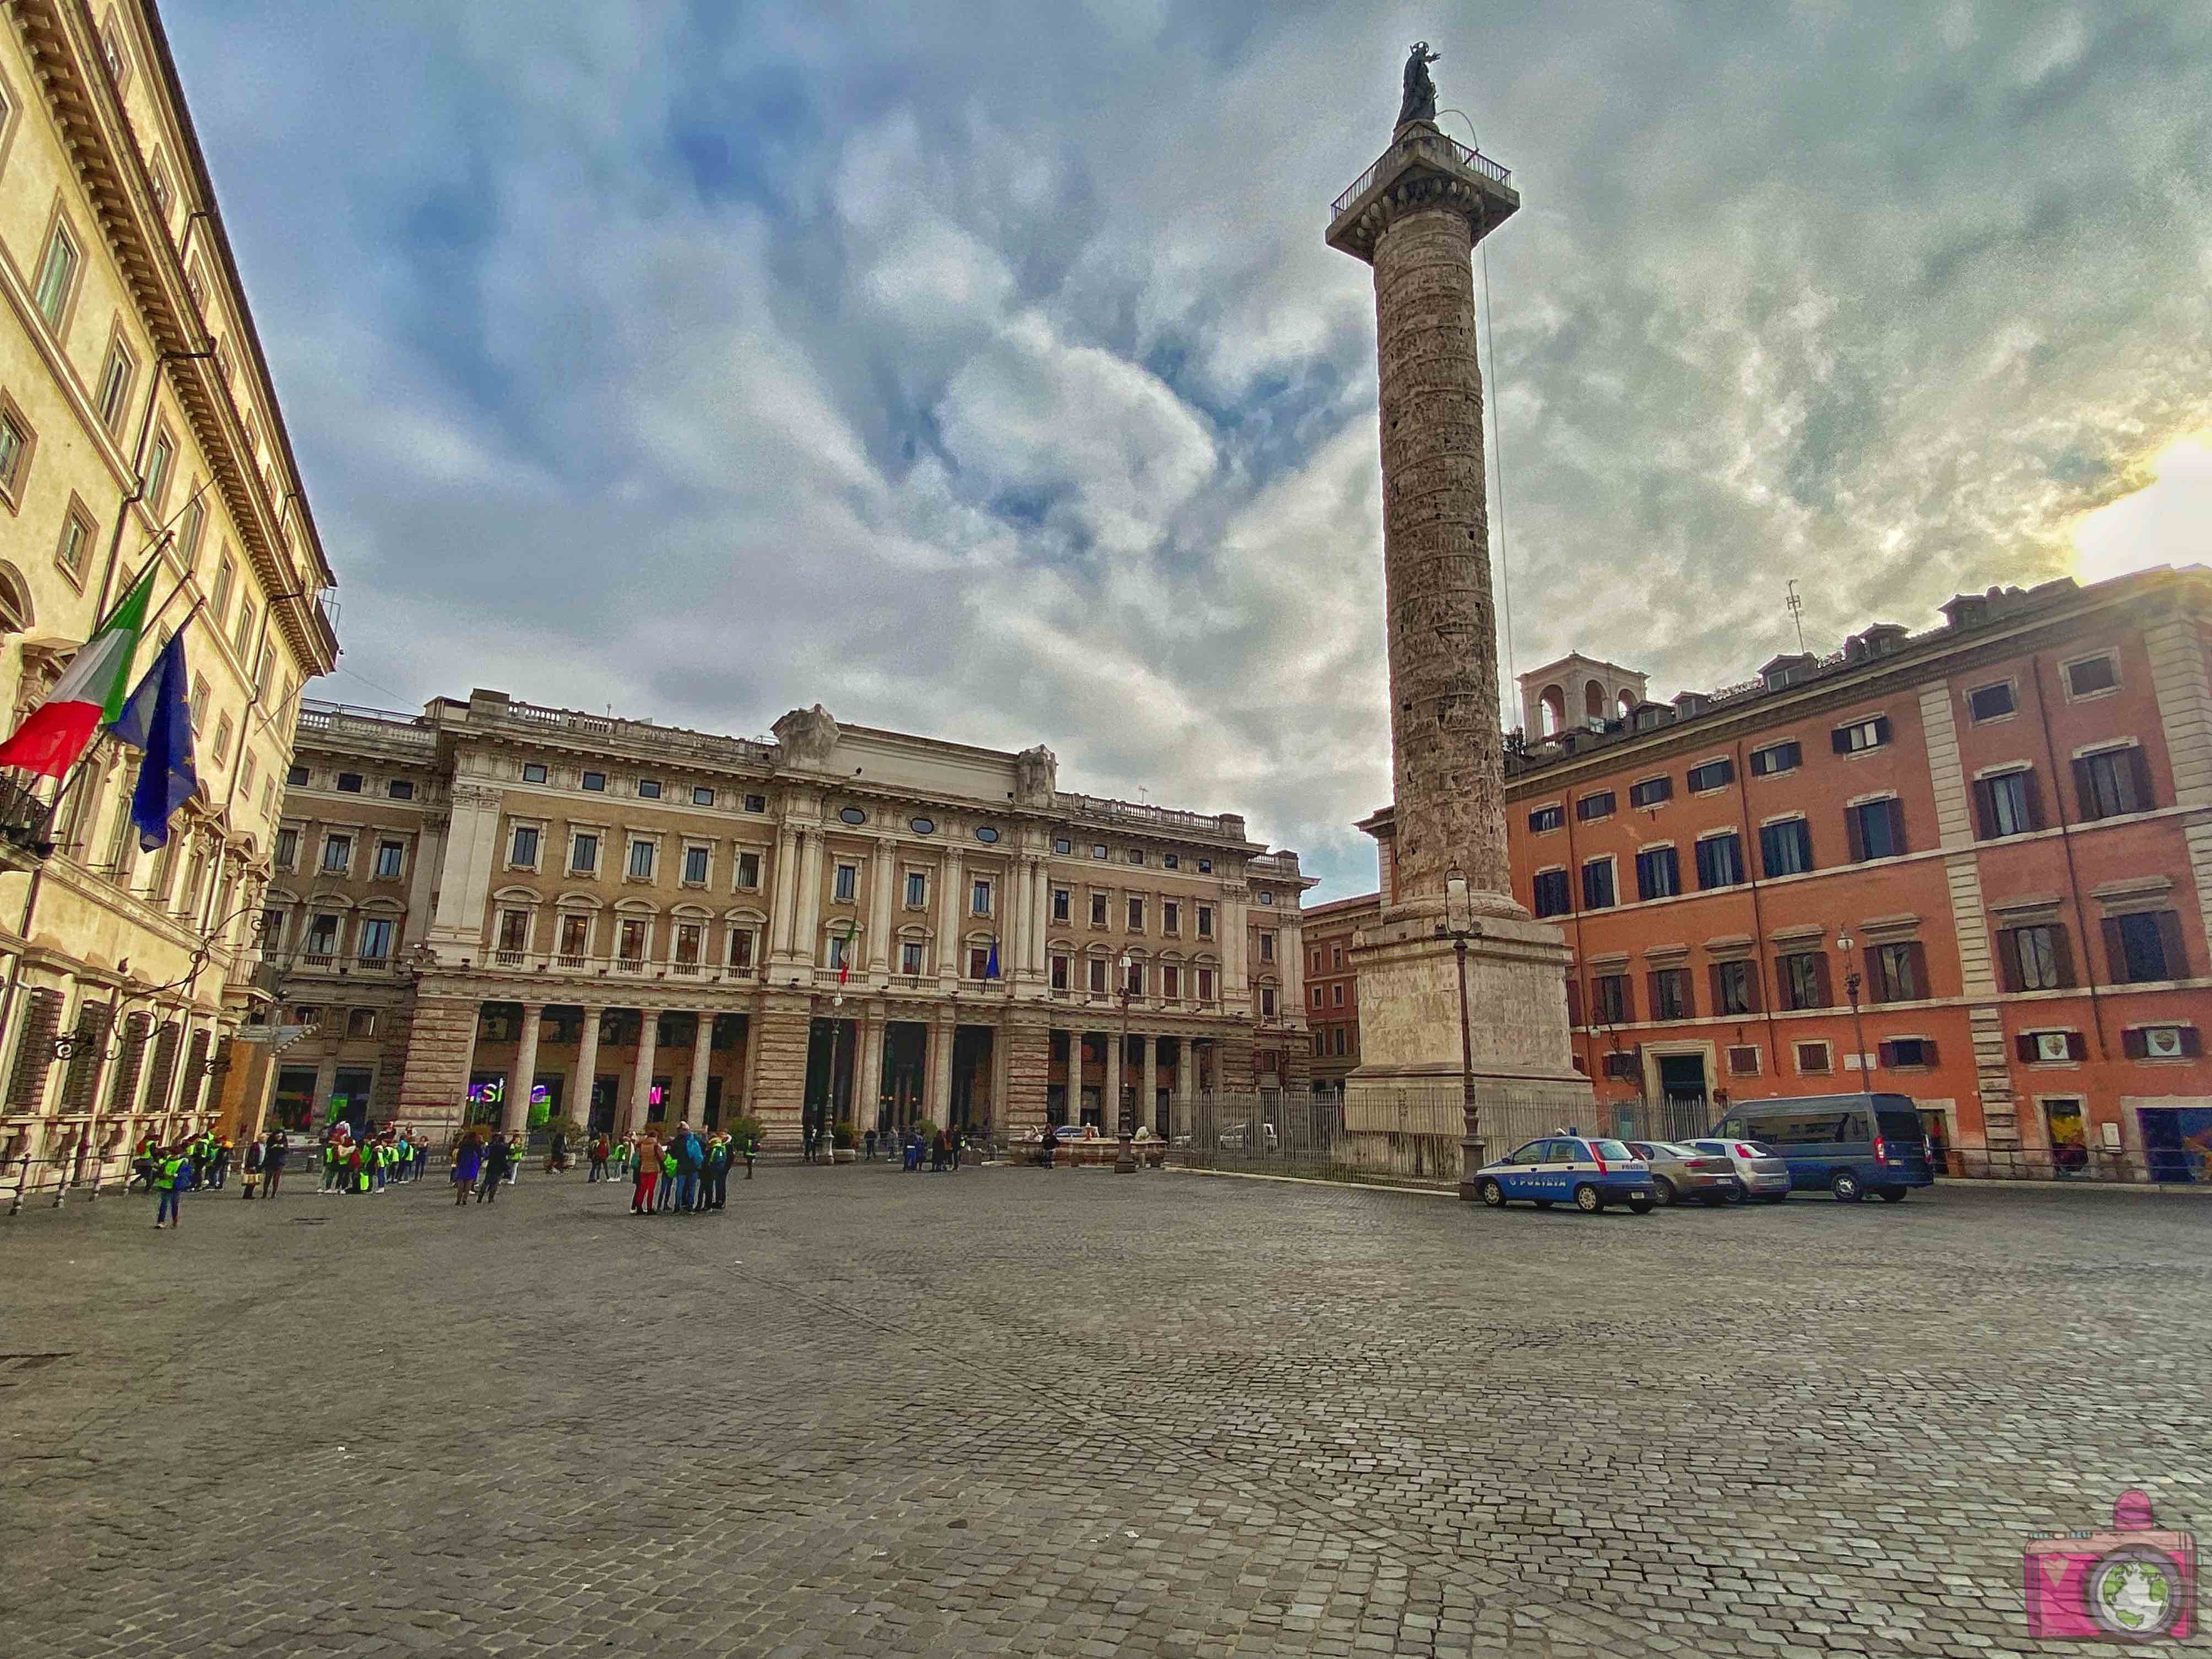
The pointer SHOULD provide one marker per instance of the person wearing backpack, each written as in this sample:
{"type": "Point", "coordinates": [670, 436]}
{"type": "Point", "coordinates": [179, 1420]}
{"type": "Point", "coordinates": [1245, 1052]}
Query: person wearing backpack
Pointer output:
{"type": "Point", "coordinates": [716, 1190]}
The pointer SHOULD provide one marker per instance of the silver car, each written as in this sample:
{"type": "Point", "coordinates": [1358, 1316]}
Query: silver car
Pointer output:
{"type": "Point", "coordinates": [1764, 1171]}
{"type": "Point", "coordinates": [1680, 1174]}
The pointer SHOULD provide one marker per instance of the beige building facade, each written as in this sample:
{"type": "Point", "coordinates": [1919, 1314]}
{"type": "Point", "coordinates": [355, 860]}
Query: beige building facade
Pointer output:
{"type": "Point", "coordinates": [520, 913]}
{"type": "Point", "coordinates": [139, 430]}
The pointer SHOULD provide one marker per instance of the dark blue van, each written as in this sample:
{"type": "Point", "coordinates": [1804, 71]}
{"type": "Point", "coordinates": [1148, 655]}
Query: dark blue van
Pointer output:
{"type": "Point", "coordinates": [1853, 1145]}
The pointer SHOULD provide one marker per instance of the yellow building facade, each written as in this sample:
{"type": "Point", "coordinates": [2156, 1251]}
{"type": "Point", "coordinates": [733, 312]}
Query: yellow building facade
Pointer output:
{"type": "Point", "coordinates": [139, 431]}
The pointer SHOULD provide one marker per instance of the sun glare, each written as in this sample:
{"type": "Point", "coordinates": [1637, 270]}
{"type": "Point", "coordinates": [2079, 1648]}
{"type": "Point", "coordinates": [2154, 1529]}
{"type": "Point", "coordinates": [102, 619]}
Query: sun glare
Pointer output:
{"type": "Point", "coordinates": [2168, 521]}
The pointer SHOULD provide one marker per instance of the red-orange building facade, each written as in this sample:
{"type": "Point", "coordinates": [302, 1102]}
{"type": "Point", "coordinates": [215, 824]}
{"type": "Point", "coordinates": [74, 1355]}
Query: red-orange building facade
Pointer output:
{"type": "Point", "coordinates": [2008, 818]}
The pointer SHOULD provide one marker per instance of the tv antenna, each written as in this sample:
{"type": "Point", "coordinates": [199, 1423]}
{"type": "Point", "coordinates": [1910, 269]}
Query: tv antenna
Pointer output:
{"type": "Point", "coordinates": [1795, 607]}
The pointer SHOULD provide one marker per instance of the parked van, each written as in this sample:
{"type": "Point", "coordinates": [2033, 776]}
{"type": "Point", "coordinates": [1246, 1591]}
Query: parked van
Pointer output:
{"type": "Point", "coordinates": [1853, 1145]}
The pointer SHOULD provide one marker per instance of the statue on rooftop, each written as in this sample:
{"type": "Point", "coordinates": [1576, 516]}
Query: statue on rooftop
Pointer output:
{"type": "Point", "coordinates": [1420, 101]}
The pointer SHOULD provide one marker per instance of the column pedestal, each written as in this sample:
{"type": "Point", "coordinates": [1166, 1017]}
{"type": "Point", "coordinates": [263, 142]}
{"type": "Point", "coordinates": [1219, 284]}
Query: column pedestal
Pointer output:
{"type": "Point", "coordinates": [1403, 1105]}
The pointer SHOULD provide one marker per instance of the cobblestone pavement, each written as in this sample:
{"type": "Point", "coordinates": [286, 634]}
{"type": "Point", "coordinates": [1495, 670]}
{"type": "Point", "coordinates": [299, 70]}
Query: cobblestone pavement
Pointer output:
{"type": "Point", "coordinates": [1072, 1414]}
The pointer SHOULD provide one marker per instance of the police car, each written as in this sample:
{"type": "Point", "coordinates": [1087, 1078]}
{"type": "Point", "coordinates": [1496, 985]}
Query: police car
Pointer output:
{"type": "Point", "coordinates": [1588, 1171]}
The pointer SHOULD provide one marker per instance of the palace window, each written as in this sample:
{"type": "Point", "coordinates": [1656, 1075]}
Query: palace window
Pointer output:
{"type": "Point", "coordinates": [1099, 909]}
{"type": "Point", "coordinates": [979, 898]}
{"type": "Point", "coordinates": [749, 872]}
{"type": "Point", "coordinates": [702, 795]}
{"type": "Point", "coordinates": [1597, 884]}
{"type": "Point", "coordinates": [1591, 808]}
{"type": "Point", "coordinates": [1099, 976]}
{"type": "Point", "coordinates": [641, 857]}
{"type": "Point", "coordinates": [910, 956]}
{"type": "Point", "coordinates": [1989, 702]}
{"type": "Point", "coordinates": [1803, 976]}
{"type": "Point", "coordinates": [2037, 958]}
{"type": "Point", "coordinates": [2112, 781]}
{"type": "Point", "coordinates": [1170, 917]}
{"type": "Point", "coordinates": [1785, 848]}
{"type": "Point", "coordinates": [1205, 977]}
{"type": "Point", "coordinates": [1136, 915]}
{"type": "Point", "coordinates": [596, 782]}
{"type": "Point", "coordinates": [1670, 994]}
{"type": "Point", "coordinates": [1551, 893]}
{"type": "Point", "coordinates": [2145, 946]}
{"type": "Point", "coordinates": [1876, 829]}
{"type": "Point", "coordinates": [2006, 805]}
{"type": "Point", "coordinates": [1652, 791]}
{"type": "Point", "coordinates": [400, 789]}
{"type": "Point", "coordinates": [391, 859]}
{"type": "Point", "coordinates": [1899, 973]}
{"type": "Point", "coordinates": [2092, 675]}
{"type": "Point", "coordinates": [522, 850]}
{"type": "Point", "coordinates": [1609, 1001]}
{"type": "Point", "coordinates": [1720, 860]}
{"type": "Point", "coordinates": [514, 930]}
{"type": "Point", "coordinates": [845, 883]}
{"type": "Point", "coordinates": [576, 936]}
{"type": "Point", "coordinates": [1736, 990]}
{"type": "Point", "coordinates": [1205, 921]}
{"type": "Point", "coordinates": [533, 772]}
{"type": "Point", "coordinates": [648, 788]}
{"type": "Point", "coordinates": [1658, 873]}
{"type": "Point", "coordinates": [1872, 732]}
{"type": "Point", "coordinates": [584, 855]}
{"type": "Point", "coordinates": [917, 890]}
{"type": "Point", "coordinates": [1713, 774]}
{"type": "Point", "coordinates": [741, 949]}
{"type": "Point", "coordinates": [1545, 818]}
{"type": "Point", "coordinates": [695, 861]}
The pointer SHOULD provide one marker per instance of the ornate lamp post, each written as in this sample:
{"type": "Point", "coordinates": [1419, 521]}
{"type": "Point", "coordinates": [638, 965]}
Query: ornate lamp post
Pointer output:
{"type": "Point", "coordinates": [1125, 1157]}
{"type": "Point", "coordinates": [1844, 943]}
{"type": "Point", "coordinates": [1459, 921]}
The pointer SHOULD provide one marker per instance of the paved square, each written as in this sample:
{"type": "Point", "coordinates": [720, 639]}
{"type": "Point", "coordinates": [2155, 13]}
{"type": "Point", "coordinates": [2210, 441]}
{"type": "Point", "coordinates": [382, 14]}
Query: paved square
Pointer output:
{"type": "Point", "coordinates": [1072, 1413]}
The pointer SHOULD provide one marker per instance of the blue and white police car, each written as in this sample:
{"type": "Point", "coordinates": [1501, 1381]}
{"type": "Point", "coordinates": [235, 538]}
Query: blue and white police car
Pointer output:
{"type": "Point", "coordinates": [1588, 1171]}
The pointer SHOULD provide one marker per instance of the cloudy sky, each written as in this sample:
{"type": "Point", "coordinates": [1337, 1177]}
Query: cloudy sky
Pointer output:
{"type": "Point", "coordinates": [979, 369]}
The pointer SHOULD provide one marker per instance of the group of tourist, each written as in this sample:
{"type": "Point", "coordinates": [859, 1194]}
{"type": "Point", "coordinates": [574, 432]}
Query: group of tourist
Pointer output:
{"type": "Point", "coordinates": [203, 1160]}
{"type": "Point", "coordinates": [689, 1174]}
{"type": "Point", "coordinates": [369, 1164]}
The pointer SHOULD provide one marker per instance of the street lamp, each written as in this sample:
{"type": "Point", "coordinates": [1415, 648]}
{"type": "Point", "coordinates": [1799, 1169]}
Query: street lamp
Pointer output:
{"type": "Point", "coordinates": [1125, 1159]}
{"type": "Point", "coordinates": [1844, 944]}
{"type": "Point", "coordinates": [1459, 921]}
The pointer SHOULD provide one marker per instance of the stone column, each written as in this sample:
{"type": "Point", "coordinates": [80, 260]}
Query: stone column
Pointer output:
{"type": "Point", "coordinates": [1111, 1093]}
{"type": "Point", "coordinates": [1002, 1050]}
{"type": "Point", "coordinates": [703, 1057]}
{"type": "Point", "coordinates": [515, 1119]}
{"type": "Point", "coordinates": [952, 909]}
{"type": "Point", "coordinates": [1185, 1083]}
{"type": "Point", "coordinates": [1149, 1086]}
{"type": "Point", "coordinates": [786, 894]}
{"type": "Point", "coordinates": [1028, 1059]}
{"type": "Point", "coordinates": [472, 846]}
{"type": "Point", "coordinates": [587, 1062]}
{"type": "Point", "coordinates": [879, 910]}
{"type": "Point", "coordinates": [641, 1087]}
{"type": "Point", "coordinates": [804, 942]}
{"type": "Point", "coordinates": [1447, 761]}
{"type": "Point", "coordinates": [868, 1084]}
{"type": "Point", "coordinates": [938, 1099]}
{"type": "Point", "coordinates": [1040, 915]}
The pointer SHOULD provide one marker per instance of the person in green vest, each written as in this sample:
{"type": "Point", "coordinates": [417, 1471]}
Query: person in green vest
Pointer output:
{"type": "Point", "coordinates": [171, 1176]}
{"type": "Point", "coordinates": [751, 1152]}
{"type": "Point", "coordinates": [334, 1164]}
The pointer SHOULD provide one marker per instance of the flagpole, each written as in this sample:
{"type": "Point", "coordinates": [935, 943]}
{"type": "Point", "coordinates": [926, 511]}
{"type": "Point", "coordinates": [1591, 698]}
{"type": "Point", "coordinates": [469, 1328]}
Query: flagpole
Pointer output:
{"type": "Point", "coordinates": [61, 794]}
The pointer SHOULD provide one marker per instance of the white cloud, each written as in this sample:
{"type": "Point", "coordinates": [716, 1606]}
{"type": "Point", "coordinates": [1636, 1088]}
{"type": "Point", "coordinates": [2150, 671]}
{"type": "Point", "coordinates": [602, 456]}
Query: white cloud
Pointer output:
{"type": "Point", "coordinates": [996, 382]}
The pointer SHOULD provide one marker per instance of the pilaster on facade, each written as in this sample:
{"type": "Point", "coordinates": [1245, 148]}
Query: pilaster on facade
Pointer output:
{"type": "Point", "coordinates": [433, 1082]}
{"type": "Point", "coordinates": [473, 846]}
{"type": "Point", "coordinates": [2183, 680]}
{"type": "Point", "coordinates": [1939, 726]}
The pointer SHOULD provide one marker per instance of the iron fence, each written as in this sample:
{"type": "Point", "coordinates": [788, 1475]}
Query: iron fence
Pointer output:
{"type": "Point", "coordinates": [1411, 1134]}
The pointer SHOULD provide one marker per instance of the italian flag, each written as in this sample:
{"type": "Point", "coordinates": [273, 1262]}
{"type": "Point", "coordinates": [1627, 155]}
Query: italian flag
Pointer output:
{"type": "Point", "coordinates": [845, 957]}
{"type": "Point", "coordinates": [89, 695]}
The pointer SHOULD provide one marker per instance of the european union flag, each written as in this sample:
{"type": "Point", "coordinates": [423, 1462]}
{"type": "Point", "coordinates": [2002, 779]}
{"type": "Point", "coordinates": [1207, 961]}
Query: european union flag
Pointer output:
{"type": "Point", "coordinates": [158, 720]}
{"type": "Point", "coordinates": [991, 968]}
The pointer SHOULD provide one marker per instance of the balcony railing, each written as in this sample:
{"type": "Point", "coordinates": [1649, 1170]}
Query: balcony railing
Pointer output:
{"type": "Point", "coordinates": [668, 739]}
{"type": "Point", "coordinates": [342, 719]}
{"type": "Point", "coordinates": [1449, 151]}
{"type": "Point", "coordinates": [1228, 826]}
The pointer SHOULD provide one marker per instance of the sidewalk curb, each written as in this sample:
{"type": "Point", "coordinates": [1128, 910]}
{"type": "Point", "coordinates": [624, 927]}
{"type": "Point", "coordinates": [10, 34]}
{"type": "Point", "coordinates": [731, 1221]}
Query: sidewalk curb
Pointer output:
{"type": "Point", "coordinates": [1317, 1181]}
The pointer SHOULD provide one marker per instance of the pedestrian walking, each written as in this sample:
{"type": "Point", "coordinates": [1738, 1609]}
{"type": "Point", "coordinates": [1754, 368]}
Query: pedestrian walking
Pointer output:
{"type": "Point", "coordinates": [751, 1151]}
{"type": "Point", "coordinates": [498, 1156]}
{"type": "Point", "coordinates": [273, 1151]}
{"type": "Point", "coordinates": [868, 1140]}
{"type": "Point", "coordinates": [172, 1174]}
{"type": "Point", "coordinates": [219, 1154]}
{"type": "Point", "coordinates": [468, 1163]}
{"type": "Point", "coordinates": [598, 1153]}
{"type": "Point", "coordinates": [250, 1173]}
{"type": "Point", "coordinates": [421, 1157]}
